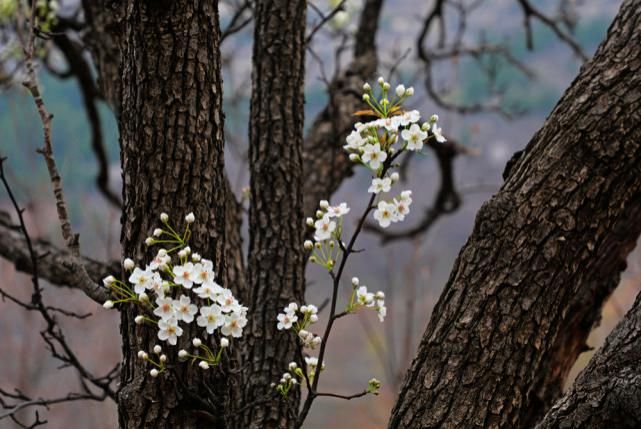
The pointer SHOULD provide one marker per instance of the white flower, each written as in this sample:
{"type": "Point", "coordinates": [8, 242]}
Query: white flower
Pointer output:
{"type": "Point", "coordinates": [210, 318]}
{"type": "Point", "coordinates": [381, 312]}
{"type": "Point", "coordinates": [291, 308]}
{"type": "Point", "coordinates": [285, 320]}
{"type": "Point", "coordinates": [390, 124]}
{"type": "Point", "coordinates": [107, 281]}
{"type": "Point", "coordinates": [139, 319]}
{"type": "Point", "coordinates": [410, 117]}
{"type": "Point", "coordinates": [373, 155]}
{"type": "Point", "coordinates": [157, 232]}
{"type": "Point", "coordinates": [355, 281]}
{"type": "Point", "coordinates": [380, 185]}
{"type": "Point", "coordinates": [190, 218]}
{"type": "Point", "coordinates": [292, 366]}
{"type": "Point", "coordinates": [203, 364]}
{"type": "Point", "coordinates": [184, 309]}
{"type": "Point", "coordinates": [324, 228]}
{"type": "Point", "coordinates": [197, 342]}
{"type": "Point", "coordinates": [209, 291]}
{"type": "Point", "coordinates": [154, 372]}
{"type": "Point", "coordinates": [169, 330]}
{"type": "Point", "coordinates": [128, 264]}
{"type": "Point", "coordinates": [203, 272]}
{"type": "Point", "coordinates": [164, 217]}
{"type": "Point", "coordinates": [160, 260]}
{"type": "Point", "coordinates": [227, 301]}
{"type": "Point", "coordinates": [157, 349]}
{"type": "Point", "coordinates": [400, 90]}
{"type": "Point", "coordinates": [385, 214]}
{"type": "Point", "coordinates": [410, 91]}
{"type": "Point", "coordinates": [338, 211]}
{"type": "Point", "coordinates": [363, 297]}
{"type": "Point", "coordinates": [141, 279]}
{"type": "Point", "coordinates": [234, 324]}
{"type": "Point", "coordinates": [414, 137]}
{"type": "Point", "coordinates": [184, 275]}
{"type": "Point", "coordinates": [436, 130]}
{"type": "Point", "coordinates": [354, 141]}
{"type": "Point", "coordinates": [313, 318]}
{"type": "Point", "coordinates": [402, 208]}
{"type": "Point", "coordinates": [324, 204]}
{"type": "Point", "coordinates": [142, 355]}
{"type": "Point", "coordinates": [224, 343]}
{"type": "Point", "coordinates": [165, 308]}
{"type": "Point", "coordinates": [182, 354]}
{"type": "Point", "coordinates": [109, 304]}
{"type": "Point", "coordinates": [406, 196]}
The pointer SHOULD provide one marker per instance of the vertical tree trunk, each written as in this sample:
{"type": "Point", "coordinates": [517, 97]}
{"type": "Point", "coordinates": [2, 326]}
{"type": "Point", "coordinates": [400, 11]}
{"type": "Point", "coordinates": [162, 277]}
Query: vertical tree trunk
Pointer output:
{"type": "Point", "coordinates": [565, 220]}
{"type": "Point", "coordinates": [276, 256]}
{"type": "Point", "coordinates": [171, 129]}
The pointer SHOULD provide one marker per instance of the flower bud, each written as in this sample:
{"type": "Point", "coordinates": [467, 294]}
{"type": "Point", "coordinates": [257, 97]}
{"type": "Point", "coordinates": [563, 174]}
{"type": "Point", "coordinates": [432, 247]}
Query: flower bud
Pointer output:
{"type": "Point", "coordinates": [384, 102]}
{"type": "Point", "coordinates": [386, 86]}
{"type": "Point", "coordinates": [190, 218]}
{"type": "Point", "coordinates": [355, 281]}
{"type": "Point", "coordinates": [143, 297]}
{"type": "Point", "coordinates": [400, 90]}
{"type": "Point", "coordinates": [292, 366]}
{"type": "Point", "coordinates": [164, 217]}
{"type": "Point", "coordinates": [139, 319]}
{"type": "Point", "coordinates": [309, 221]}
{"type": "Point", "coordinates": [108, 304]}
{"type": "Point", "coordinates": [149, 241]}
{"type": "Point", "coordinates": [294, 381]}
{"type": "Point", "coordinates": [313, 259]}
{"type": "Point", "coordinates": [107, 281]}
{"type": "Point", "coordinates": [381, 80]}
{"type": "Point", "coordinates": [354, 157]}
{"type": "Point", "coordinates": [426, 126]}
{"type": "Point", "coordinates": [380, 295]}
{"type": "Point", "coordinates": [163, 358]}
{"type": "Point", "coordinates": [394, 177]}
{"type": "Point", "coordinates": [366, 87]}
{"type": "Point", "coordinates": [287, 376]}
{"type": "Point", "coordinates": [195, 257]}
{"type": "Point", "coordinates": [434, 118]}
{"type": "Point", "coordinates": [316, 341]}
{"type": "Point", "coordinates": [142, 355]}
{"type": "Point", "coordinates": [187, 250]}
{"type": "Point", "coordinates": [182, 354]}
{"type": "Point", "coordinates": [308, 245]}
{"type": "Point", "coordinates": [366, 97]}
{"type": "Point", "coordinates": [319, 213]}
{"type": "Point", "coordinates": [203, 364]}
{"type": "Point", "coordinates": [313, 318]}
{"type": "Point", "coordinates": [157, 232]}
{"type": "Point", "coordinates": [224, 343]}
{"type": "Point", "coordinates": [128, 264]}
{"type": "Point", "coordinates": [157, 349]}
{"type": "Point", "coordinates": [154, 373]}
{"type": "Point", "coordinates": [409, 91]}
{"type": "Point", "coordinates": [196, 342]}
{"type": "Point", "coordinates": [324, 204]}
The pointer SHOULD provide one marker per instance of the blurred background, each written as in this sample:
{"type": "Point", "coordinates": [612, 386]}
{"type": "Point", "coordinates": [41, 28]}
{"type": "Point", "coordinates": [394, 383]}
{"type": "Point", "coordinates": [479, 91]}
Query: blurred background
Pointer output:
{"type": "Point", "coordinates": [412, 272]}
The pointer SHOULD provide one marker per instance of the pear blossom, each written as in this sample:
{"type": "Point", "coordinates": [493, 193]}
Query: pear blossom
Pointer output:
{"type": "Point", "coordinates": [436, 130]}
{"type": "Point", "coordinates": [402, 208]}
{"type": "Point", "coordinates": [184, 275]}
{"type": "Point", "coordinates": [224, 343]}
{"type": "Point", "coordinates": [324, 228]}
{"type": "Point", "coordinates": [128, 264]}
{"type": "Point", "coordinates": [227, 301]}
{"type": "Point", "coordinates": [203, 272]}
{"type": "Point", "coordinates": [210, 318]}
{"type": "Point", "coordinates": [285, 320]}
{"type": "Point", "coordinates": [410, 117]}
{"type": "Point", "coordinates": [363, 297]}
{"type": "Point", "coordinates": [414, 137]}
{"type": "Point", "coordinates": [390, 124]}
{"type": "Point", "coordinates": [165, 308]}
{"type": "Point", "coordinates": [354, 141]}
{"type": "Point", "coordinates": [208, 291]}
{"type": "Point", "coordinates": [184, 309]}
{"type": "Point", "coordinates": [385, 214]}
{"type": "Point", "coordinates": [109, 304]}
{"type": "Point", "coordinates": [400, 90]}
{"type": "Point", "coordinates": [380, 185]}
{"type": "Point", "coordinates": [373, 155]}
{"type": "Point", "coordinates": [337, 211]}
{"type": "Point", "coordinates": [234, 324]}
{"type": "Point", "coordinates": [169, 330]}
{"type": "Point", "coordinates": [141, 279]}
{"type": "Point", "coordinates": [190, 218]}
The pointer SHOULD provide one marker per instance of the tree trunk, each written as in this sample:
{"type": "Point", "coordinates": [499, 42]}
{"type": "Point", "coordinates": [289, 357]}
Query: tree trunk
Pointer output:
{"type": "Point", "coordinates": [276, 255]}
{"type": "Point", "coordinates": [563, 222]}
{"type": "Point", "coordinates": [607, 392]}
{"type": "Point", "coordinates": [171, 129]}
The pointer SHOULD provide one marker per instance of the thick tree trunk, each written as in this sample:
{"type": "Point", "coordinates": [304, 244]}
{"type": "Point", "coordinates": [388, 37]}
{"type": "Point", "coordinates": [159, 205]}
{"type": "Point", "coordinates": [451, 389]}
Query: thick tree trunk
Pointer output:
{"type": "Point", "coordinates": [607, 393]}
{"type": "Point", "coordinates": [564, 221]}
{"type": "Point", "coordinates": [276, 255]}
{"type": "Point", "coordinates": [171, 129]}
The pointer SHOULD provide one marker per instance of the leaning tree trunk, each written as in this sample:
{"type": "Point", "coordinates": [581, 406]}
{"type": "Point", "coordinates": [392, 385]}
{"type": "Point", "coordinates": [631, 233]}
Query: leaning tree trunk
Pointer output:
{"type": "Point", "coordinates": [607, 393]}
{"type": "Point", "coordinates": [171, 129]}
{"type": "Point", "coordinates": [276, 256]}
{"type": "Point", "coordinates": [563, 222]}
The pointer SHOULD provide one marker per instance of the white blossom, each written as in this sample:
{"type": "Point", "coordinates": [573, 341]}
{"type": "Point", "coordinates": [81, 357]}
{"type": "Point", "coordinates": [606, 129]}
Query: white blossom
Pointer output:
{"type": "Point", "coordinates": [355, 141]}
{"type": "Point", "coordinates": [414, 137]}
{"type": "Point", "coordinates": [324, 228]}
{"type": "Point", "coordinates": [128, 264]}
{"type": "Point", "coordinates": [210, 318]}
{"type": "Point", "coordinates": [373, 155]}
{"type": "Point", "coordinates": [190, 218]}
{"type": "Point", "coordinates": [380, 185]}
{"type": "Point", "coordinates": [410, 117]}
{"type": "Point", "coordinates": [385, 214]}
{"type": "Point", "coordinates": [436, 130]}
{"type": "Point", "coordinates": [184, 309]}
{"type": "Point", "coordinates": [184, 275]}
{"type": "Point", "coordinates": [164, 308]}
{"type": "Point", "coordinates": [338, 211]}
{"type": "Point", "coordinates": [169, 330]}
{"type": "Point", "coordinates": [234, 324]}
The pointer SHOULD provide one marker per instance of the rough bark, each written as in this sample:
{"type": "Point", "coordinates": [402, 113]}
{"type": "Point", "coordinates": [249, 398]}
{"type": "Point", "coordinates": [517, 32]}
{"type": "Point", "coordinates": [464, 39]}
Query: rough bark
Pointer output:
{"type": "Point", "coordinates": [563, 222]}
{"type": "Point", "coordinates": [171, 127]}
{"type": "Point", "coordinates": [276, 256]}
{"type": "Point", "coordinates": [607, 393]}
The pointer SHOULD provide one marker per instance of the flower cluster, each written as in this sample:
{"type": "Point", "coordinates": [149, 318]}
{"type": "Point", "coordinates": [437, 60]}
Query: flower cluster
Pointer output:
{"type": "Point", "coordinates": [362, 298]}
{"type": "Point", "coordinates": [172, 294]}
{"type": "Point", "coordinates": [327, 233]}
{"type": "Point", "coordinates": [299, 319]}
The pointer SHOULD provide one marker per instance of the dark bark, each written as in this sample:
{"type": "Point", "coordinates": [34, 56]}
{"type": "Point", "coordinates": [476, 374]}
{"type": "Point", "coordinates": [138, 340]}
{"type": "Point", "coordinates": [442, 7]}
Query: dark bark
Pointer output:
{"type": "Point", "coordinates": [276, 256]}
{"type": "Point", "coordinates": [171, 127]}
{"type": "Point", "coordinates": [607, 393]}
{"type": "Point", "coordinates": [559, 229]}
